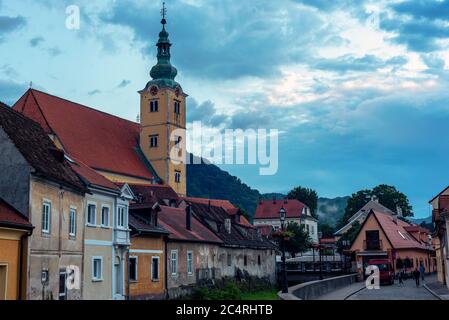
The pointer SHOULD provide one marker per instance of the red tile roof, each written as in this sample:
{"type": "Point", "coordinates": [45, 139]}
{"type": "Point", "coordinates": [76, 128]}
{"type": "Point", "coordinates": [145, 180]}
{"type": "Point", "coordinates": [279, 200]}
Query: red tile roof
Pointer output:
{"type": "Point", "coordinates": [225, 204]}
{"type": "Point", "coordinates": [102, 141]}
{"type": "Point", "coordinates": [91, 176]}
{"type": "Point", "coordinates": [10, 217]}
{"type": "Point", "coordinates": [269, 209]}
{"type": "Point", "coordinates": [265, 230]}
{"type": "Point", "coordinates": [154, 192]}
{"type": "Point", "coordinates": [174, 221]}
{"type": "Point", "coordinates": [397, 233]}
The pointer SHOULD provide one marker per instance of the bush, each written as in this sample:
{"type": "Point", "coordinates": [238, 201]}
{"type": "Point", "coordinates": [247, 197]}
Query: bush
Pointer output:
{"type": "Point", "coordinates": [230, 291]}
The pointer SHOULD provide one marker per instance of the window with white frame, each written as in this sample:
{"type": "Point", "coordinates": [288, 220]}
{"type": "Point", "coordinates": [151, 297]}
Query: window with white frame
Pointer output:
{"type": "Point", "coordinates": [189, 262]}
{"type": "Point", "coordinates": [72, 222]}
{"type": "Point", "coordinates": [105, 216]}
{"type": "Point", "coordinates": [133, 268]}
{"type": "Point", "coordinates": [174, 262]}
{"type": "Point", "coordinates": [154, 106]}
{"type": "Point", "coordinates": [155, 268]}
{"type": "Point", "coordinates": [91, 214]}
{"type": "Point", "coordinates": [121, 217]}
{"type": "Point", "coordinates": [312, 229]}
{"type": "Point", "coordinates": [97, 268]}
{"type": "Point", "coordinates": [46, 216]}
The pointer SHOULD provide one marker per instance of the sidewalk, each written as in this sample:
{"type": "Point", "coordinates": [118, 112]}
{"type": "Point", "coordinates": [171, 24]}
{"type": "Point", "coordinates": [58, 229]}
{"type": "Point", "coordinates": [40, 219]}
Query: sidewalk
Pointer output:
{"type": "Point", "coordinates": [343, 293]}
{"type": "Point", "coordinates": [438, 289]}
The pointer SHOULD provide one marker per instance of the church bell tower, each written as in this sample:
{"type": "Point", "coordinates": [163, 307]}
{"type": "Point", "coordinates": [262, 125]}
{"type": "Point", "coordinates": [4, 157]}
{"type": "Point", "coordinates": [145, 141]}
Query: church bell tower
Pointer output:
{"type": "Point", "coordinates": [163, 118]}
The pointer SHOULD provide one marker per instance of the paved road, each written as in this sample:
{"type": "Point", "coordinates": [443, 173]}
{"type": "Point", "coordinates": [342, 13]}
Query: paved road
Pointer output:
{"type": "Point", "coordinates": [407, 291]}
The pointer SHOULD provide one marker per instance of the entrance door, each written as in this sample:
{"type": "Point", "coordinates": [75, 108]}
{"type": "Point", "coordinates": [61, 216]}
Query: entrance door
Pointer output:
{"type": "Point", "coordinates": [3, 281]}
{"type": "Point", "coordinates": [62, 285]}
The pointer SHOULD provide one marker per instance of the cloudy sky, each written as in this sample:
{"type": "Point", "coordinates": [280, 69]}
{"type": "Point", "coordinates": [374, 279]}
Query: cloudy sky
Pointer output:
{"type": "Point", "coordinates": [358, 89]}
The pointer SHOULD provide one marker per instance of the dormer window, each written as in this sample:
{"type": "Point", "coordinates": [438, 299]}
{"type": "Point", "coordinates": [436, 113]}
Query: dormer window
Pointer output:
{"type": "Point", "coordinates": [228, 225]}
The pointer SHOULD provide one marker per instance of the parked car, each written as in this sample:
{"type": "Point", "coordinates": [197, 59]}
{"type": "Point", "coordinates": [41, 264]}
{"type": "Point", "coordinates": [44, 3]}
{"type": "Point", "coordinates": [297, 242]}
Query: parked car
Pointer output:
{"type": "Point", "coordinates": [386, 271]}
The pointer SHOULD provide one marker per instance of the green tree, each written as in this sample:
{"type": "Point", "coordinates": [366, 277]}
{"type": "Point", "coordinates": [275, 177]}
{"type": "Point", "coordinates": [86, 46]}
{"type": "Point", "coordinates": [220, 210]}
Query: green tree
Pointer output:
{"type": "Point", "coordinates": [348, 238]}
{"type": "Point", "coordinates": [326, 229]}
{"type": "Point", "coordinates": [307, 196]}
{"type": "Point", "coordinates": [387, 195]}
{"type": "Point", "coordinates": [301, 240]}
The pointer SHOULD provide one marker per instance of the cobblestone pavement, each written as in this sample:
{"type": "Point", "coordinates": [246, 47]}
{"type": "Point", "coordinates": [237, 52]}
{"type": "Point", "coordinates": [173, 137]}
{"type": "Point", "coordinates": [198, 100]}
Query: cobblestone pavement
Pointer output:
{"type": "Point", "coordinates": [406, 291]}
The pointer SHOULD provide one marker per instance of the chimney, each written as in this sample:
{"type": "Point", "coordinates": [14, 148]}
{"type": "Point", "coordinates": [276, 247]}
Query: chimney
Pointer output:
{"type": "Point", "coordinates": [274, 199]}
{"type": "Point", "coordinates": [189, 217]}
{"type": "Point", "coordinates": [399, 211]}
{"type": "Point", "coordinates": [228, 225]}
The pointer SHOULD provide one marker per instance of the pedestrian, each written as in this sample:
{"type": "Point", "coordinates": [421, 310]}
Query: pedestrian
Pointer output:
{"type": "Point", "coordinates": [401, 276]}
{"type": "Point", "coordinates": [416, 275]}
{"type": "Point", "coordinates": [422, 270]}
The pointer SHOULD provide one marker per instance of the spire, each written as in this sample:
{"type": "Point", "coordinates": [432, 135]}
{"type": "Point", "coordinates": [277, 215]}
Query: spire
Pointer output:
{"type": "Point", "coordinates": [163, 72]}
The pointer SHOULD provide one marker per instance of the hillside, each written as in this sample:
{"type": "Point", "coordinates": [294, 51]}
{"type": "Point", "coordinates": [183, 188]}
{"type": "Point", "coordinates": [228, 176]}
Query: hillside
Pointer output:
{"type": "Point", "coordinates": [209, 181]}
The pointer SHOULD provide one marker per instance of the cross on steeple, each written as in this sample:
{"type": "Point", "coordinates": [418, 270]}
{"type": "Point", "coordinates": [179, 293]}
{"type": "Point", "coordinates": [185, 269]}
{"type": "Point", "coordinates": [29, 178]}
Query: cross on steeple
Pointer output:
{"type": "Point", "coordinates": [163, 13]}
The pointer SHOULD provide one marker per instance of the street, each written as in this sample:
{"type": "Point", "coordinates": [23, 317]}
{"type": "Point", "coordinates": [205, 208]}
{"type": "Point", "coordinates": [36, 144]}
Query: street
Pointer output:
{"type": "Point", "coordinates": [406, 291]}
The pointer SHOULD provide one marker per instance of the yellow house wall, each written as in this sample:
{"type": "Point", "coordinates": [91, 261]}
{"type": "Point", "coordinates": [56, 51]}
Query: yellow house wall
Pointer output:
{"type": "Point", "coordinates": [57, 250]}
{"type": "Point", "coordinates": [145, 287]}
{"type": "Point", "coordinates": [10, 257]}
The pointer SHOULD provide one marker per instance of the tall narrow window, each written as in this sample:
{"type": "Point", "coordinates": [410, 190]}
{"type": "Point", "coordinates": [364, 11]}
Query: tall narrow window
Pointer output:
{"type": "Point", "coordinates": [189, 262]}
{"type": "Point", "coordinates": [121, 217]}
{"type": "Point", "coordinates": [245, 260]}
{"type": "Point", "coordinates": [155, 268]}
{"type": "Point", "coordinates": [174, 262]}
{"type": "Point", "coordinates": [91, 214]}
{"type": "Point", "coordinates": [46, 217]}
{"type": "Point", "coordinates": [177, 107]}
{"type": "Point", "coordinates": [229, 260]}
{"type": "Point", "coordinates": [259, 260]}
{"type": "Point", "coordinates": [154, 106]}
{"type": "Point", "coordinates": [97, 268]}
{"type": "Point", "coordinates": [72, 222]}
{"type": "Point", "coordinates": [133, 267]}
{"type": "Point", "coordinates": [154, 141]}
{"type": "Point", "coordinates": [105, 216]}
{"type": "Point", "coordinates": [177, 176]}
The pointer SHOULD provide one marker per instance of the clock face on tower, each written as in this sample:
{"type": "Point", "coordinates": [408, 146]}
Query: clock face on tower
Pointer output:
{"type": "Point", "coordinates": [154, 90]}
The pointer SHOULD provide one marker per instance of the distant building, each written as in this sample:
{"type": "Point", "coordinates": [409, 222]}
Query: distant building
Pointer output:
{"type": "Point", "coordinates": [360, 216]}
{"type": "Point", "coordinates": [383, 236]}
{"type": "Point", "coordinates": [14, 232]}
{"type": "Point", "coordinates": [440, 218]}
{"type": "Point", "coordinates": [267, 214]}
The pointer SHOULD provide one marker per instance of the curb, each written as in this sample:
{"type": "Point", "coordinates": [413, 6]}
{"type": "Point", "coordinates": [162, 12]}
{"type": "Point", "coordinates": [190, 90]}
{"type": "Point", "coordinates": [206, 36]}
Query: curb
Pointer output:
{"type": "Point", "coordinates": [353, 293]}
{"type": "Point", "coordinates": [433, 292]}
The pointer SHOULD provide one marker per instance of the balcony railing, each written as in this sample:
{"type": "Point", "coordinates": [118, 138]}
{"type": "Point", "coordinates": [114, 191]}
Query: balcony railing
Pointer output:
{"type": "Point", "coordinates": [372, 245]}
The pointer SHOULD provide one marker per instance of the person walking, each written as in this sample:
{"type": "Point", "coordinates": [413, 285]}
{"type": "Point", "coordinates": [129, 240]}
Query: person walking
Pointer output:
{"type": "Point", "coordinates": [401, 276]}
{"type": "Point", "coordinates": [422, 270]}
{"type": "Point", "coordinates": [416, 275]}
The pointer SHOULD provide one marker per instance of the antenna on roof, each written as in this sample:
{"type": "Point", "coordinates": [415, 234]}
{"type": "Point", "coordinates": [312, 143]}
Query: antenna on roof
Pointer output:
{"type": "Point", "coordinates": [31, 84]}
{"type": "Point", "coordinates": [138, 118]}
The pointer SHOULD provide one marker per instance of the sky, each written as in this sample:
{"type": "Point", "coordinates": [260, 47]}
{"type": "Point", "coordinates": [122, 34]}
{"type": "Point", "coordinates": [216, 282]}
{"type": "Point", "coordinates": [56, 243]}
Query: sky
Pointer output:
{"type": "Point", "coordinates": [359, 90]}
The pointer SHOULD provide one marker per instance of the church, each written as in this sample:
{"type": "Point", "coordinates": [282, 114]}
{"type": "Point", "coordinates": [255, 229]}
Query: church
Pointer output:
{"type": "Point", "coordinates": [125, 215]}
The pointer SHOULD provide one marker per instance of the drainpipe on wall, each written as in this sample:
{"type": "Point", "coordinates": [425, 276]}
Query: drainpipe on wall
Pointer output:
{"type": "Point", "coordinates": [166, 269]}
{"type": "Point", "coordinates": [21, 246]}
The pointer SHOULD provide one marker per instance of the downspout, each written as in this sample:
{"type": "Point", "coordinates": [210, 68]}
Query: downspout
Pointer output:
{"type": "Point", "coordinates": [166, 268]}
{"type": "Point", "coordinates": [21, 246]}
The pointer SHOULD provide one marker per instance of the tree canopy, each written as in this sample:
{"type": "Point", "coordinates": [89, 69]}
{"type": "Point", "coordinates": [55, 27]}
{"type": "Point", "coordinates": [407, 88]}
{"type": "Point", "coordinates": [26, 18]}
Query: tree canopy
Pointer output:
{"type": "Point", "coordinates": [307, 196]}
{"type": "Point", "coordinates": [301, 240]}
{"type": "Point", "coordinates": [387, 195]}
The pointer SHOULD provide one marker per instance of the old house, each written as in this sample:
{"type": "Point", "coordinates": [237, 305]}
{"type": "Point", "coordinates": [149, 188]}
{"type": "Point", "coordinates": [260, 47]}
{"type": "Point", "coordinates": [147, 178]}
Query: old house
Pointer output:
{"type": "Point", "coordinates": [440, 218]}
{"type": "Point", "coordinates": [14, 232]}
{"type": "Point", "coordinates": [384, 236]}
{"type": "Point", "coordinates": [244, 249]}
{"type": "Point", "coordinates": [38, 181]}
{"type": "Point", "coordinates": [192, 251]}
{"type": "Point", "coordinates": [106, 235]}
{"type": "Point", "coordinates": [267, 214]}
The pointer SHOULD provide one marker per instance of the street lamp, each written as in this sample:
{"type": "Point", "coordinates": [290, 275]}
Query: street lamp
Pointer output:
{"type": "Point", "coordinates": [320, 235]}
{"type": "Point", "coordinates": [282, 214]}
